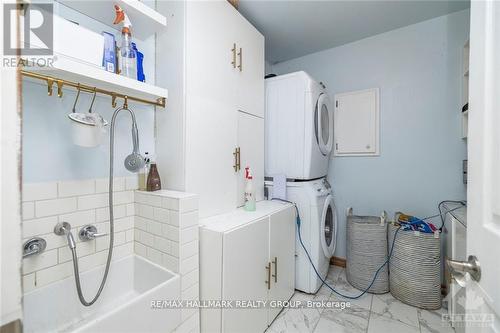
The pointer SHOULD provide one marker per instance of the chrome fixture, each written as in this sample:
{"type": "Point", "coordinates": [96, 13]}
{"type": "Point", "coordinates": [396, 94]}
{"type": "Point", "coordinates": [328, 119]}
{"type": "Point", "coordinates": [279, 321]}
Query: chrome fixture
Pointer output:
{"type": "Point", "coordinates": [133, 162]}
{"type": "Point", "coordinates": [32, 246]}
{"type": "Point", "coordinates": [460, 268]}
{"type": "Point", "coordinates": [89, 232]}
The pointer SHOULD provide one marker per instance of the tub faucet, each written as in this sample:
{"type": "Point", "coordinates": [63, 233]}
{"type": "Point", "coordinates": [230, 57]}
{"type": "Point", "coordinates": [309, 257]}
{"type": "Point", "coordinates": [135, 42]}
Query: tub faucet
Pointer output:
{"type": "Point", "coordinates": [64, 229]}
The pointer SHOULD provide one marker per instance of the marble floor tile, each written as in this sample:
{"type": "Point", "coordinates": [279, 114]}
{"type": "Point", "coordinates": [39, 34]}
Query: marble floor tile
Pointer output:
{"type": "Point", "coordinates": [388, 306]}
{"type": "Point", "coordinates": [352, 320]}
{"type": "Point", "coordinates": [300, 319]}
{"type": "Point", "coordinates": [382, 324]}
{"type": "Point", "coordinates": [433, 317]}
{"type": "Point", "coordinates": [342, 286]}
{"type": "Point", "coordinates": [431, 321]}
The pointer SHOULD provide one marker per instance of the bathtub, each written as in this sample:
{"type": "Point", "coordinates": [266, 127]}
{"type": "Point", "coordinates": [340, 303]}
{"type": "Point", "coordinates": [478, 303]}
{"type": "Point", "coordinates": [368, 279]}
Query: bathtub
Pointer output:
{"type": "Point", "coordinates": [124, 305]}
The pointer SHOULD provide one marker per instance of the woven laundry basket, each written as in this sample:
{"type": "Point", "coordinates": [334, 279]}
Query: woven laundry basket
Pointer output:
{"type": "Point", "coordinates": [415, 268]}
{"type": "Point", "coordinates": [366, 252]}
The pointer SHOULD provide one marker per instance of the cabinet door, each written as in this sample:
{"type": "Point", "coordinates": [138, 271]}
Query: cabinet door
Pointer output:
{"type": "Point", "coordinates": [245, 257]}
{"type": "Point", "coordinates": [250, 79]}
{"type": "Point", "coordinates": [282, 257]}
{"type": "Point", "coordinates": [251, 143]}
{"type": "Point", "coordinates": [210, 143]}
{"type": "Point", "coordinates": [210, 130]}
{"type": "Point", "coordinates": [211, 31]}
{"type": "Point", "coordinates": [356, 123]}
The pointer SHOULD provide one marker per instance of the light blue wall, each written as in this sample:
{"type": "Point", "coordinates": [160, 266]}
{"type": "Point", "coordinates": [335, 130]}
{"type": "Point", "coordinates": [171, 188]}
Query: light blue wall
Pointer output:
{"type": "Point", "coordinates": [418, 71]}
{"type": "Point", "coordinates": [48, 152]}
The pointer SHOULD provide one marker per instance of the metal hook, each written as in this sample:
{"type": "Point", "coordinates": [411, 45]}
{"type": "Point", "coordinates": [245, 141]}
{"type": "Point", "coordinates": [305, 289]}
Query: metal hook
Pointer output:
{"type": "Point", "coordinates": [50, 82]}
{"type": "Point", "coordinates": [113, 100]}
{"type": "Point", "coordinates": [59, 88]}
{"type": "Point", "coordinates": [77, 95]}
{"type": "Point", "coordinates": [93, 99]}
{"type": "Point", "coordinates": [125, 102]}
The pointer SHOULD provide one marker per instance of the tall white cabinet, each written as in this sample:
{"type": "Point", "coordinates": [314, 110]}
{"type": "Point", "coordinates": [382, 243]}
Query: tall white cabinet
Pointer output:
{"type": "Point", "coordinates": [213, 126]}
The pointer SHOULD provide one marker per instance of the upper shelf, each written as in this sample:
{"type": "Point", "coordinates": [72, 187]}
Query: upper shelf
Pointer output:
{"type": "Point", "coordinates": [72, 70]}
{"type": "Point", "coordinates": [145, 20]}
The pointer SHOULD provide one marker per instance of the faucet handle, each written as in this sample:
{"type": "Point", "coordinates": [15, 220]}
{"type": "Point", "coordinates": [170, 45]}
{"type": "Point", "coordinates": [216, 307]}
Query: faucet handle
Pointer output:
{"type": "Point", "coordinates": [35, 245]}
{"type": "Point", "coordinates": [89, 232]}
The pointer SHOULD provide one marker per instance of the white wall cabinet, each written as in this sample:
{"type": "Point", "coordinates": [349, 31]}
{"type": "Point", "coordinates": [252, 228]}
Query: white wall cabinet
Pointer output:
{"type": "Point", "coordinates": [356, 123]}
{"type": "Point", "coordinates": [247, 256]}
{"type": "Point", "coordinates": [214, 118]}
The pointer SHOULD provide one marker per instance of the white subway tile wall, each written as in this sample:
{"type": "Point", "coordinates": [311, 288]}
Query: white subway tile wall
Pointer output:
{"type": "Point", "coordinates": [161, 226]}
{"type": "Point", "coordinates": [166, 232]}
{"type": "Point", "coordinates": [78, 202]}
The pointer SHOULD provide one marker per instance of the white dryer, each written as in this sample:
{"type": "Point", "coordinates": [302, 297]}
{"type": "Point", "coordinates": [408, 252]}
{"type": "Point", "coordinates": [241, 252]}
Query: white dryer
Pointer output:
{"type": "Point", "coordinates": [298, 127]}
{"type": "Point", "coordinates": [318, 230]}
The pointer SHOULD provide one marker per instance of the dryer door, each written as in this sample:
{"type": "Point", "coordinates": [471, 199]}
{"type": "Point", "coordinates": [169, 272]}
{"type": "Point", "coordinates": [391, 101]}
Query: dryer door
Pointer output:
{"type": "Point", "coordinates": [328, 227]}
{"type": "Point", "coordinates": [324, 124]}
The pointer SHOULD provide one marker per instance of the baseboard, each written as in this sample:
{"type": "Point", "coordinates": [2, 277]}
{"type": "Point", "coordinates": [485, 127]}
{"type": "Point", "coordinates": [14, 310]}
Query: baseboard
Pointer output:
{"type": "Point", "coordinates": [12, 327]}
{"type": "Point", "coordinates": [336, 261]}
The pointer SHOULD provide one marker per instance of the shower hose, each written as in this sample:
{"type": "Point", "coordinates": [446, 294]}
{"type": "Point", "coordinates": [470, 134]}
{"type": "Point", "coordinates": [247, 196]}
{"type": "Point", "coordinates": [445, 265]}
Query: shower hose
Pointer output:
{"type": "Point", "coordinates": [441, 214]}
{"type": "Point", "coordinates": [111, 219]}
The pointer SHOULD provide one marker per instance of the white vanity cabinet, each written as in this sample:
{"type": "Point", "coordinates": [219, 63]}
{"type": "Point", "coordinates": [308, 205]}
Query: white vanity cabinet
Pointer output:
{"type": "Point", "coordinates": [213, 125]}
{"type": "Point", "coordinates": [247, 256]}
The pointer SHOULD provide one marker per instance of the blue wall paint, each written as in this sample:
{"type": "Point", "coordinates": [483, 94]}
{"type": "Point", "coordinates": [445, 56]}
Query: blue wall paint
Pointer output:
{"type": "Point", "coordinates": [418, 71]}
{"type": "Point", "coordinates": [49, 154]}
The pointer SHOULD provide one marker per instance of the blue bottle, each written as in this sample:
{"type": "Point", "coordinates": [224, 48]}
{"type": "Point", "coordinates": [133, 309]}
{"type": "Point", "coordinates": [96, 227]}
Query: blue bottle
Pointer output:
{"type": "Point", "coordinates": [140, 69]}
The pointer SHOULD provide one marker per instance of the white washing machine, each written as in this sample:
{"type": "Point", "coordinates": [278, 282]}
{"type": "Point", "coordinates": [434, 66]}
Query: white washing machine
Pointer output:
{"type": "Point", "coordinates": [318, 230]}
{"type": "Point", "coordinates": [298, 127]}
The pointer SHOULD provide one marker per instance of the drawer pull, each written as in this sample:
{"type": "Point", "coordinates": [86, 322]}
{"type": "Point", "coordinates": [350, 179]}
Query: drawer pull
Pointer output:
{"type": "Point", "coordinates": [275, 275]}
{"type": "Point", "coordinates": [268, 281]}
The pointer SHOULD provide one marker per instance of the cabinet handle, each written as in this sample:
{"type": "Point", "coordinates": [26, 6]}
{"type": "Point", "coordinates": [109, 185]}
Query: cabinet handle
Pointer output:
{"type": "Point", "coordinates": [234, 55]}
{"type": "Point", "coordinates": [275, 275]}
{"type": "Point", "coordinates": [237, 159]}
{"type": "Point", "coordinates": [240, 54]}
{"type": "Point", "coordinates": [238, 150]}
{"type": "Point", "coordinates": [268, 281]}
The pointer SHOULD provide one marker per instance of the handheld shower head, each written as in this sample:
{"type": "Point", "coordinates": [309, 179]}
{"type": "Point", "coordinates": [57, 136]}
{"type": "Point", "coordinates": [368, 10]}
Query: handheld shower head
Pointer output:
{"type": "Point", "coordinates": [134, 162]}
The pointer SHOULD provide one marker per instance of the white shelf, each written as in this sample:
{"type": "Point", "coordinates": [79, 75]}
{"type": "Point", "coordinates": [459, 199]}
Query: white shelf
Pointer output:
{"type": "Point", "coordinates": [145, 20]}
{"type": "Point", "coordinates": [72, 70]}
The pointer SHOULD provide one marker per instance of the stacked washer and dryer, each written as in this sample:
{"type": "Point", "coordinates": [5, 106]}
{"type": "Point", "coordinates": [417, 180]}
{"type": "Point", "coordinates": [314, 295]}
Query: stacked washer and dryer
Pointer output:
{"type": "Point", "coordinates": [299, 140]}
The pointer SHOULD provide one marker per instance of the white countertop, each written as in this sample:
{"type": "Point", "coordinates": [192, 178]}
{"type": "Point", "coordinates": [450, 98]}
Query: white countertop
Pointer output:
{"type": "Point", "coordinates": [239, 217]}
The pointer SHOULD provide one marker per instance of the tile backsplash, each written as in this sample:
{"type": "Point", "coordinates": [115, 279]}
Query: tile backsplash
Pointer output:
{"type": "Point", "coordinates": [160, 226]}
{"type": "Point", "coordinates": [79, 203]}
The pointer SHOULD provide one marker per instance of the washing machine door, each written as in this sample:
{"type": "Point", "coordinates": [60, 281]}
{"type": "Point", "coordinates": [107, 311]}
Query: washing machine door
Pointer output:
{"type": "Point", "coordinates": [328, 227]}
{"type": "Point", "coordinates": [324, 124]}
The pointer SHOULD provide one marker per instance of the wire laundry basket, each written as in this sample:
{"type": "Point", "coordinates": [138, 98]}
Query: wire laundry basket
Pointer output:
{"type": "Point", "coordinates": [367, 252]}
{"type": "Point", "coordinates": [415, 267]}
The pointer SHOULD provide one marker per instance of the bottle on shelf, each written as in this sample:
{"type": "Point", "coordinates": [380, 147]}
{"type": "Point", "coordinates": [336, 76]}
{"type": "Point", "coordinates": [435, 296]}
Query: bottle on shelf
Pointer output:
{"type": "Point", "coordinates": [128, 56]}
{"type": "Point", "coordinates": [154, 182]}
{"type": "Point", "coordinates": [143, 174]}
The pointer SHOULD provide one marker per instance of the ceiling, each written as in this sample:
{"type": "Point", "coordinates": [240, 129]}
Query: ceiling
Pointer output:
{"type": "Point", "coordinates": [296, 28]}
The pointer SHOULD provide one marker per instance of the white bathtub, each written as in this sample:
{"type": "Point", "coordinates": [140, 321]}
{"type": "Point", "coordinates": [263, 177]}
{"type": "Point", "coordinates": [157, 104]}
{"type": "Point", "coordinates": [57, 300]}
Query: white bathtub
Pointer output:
{"type": "Point", "coordinates": [124, 305]}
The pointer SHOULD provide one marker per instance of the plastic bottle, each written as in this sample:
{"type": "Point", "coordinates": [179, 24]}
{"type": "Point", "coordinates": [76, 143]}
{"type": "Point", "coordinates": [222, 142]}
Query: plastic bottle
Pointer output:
{"type": "Point", "coordinates": [128, 56]}
{"type": "Point", "coordinates": [249, 191]}
{"type": "Point", "coordinates": [143, 174]}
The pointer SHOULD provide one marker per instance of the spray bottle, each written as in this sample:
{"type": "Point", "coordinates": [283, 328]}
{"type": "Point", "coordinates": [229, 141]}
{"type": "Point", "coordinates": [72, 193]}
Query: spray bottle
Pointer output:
{"type": "Point", "coordinates": [249, 191]}
{"type": "Point", "coordinates": [128, 56]}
